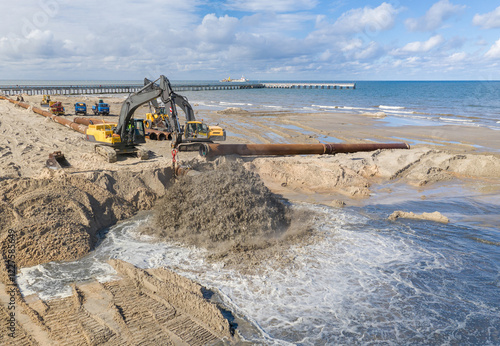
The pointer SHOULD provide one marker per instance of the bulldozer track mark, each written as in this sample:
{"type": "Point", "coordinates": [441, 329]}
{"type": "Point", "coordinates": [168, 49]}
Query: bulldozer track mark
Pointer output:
{"type": "Point", "coordinates": [72, 325]}
{"type": "Point", "coordinates": [21, 337]}
{"type": "Point", "coordinates": [191, 332]}
{"type": "Point", "coordinates": [141, 315]}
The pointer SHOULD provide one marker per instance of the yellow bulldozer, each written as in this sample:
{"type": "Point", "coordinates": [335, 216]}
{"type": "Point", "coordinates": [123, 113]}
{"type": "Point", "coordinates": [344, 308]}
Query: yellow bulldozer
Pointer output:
{"type": "Point", "coordinates": [45, 101]}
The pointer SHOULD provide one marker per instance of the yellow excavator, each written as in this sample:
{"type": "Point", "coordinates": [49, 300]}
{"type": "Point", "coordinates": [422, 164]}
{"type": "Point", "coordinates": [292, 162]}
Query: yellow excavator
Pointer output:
{"type": "Point", "coordinates": [125, 136]}
{"type": "Point", "coordinates": [193, 129]}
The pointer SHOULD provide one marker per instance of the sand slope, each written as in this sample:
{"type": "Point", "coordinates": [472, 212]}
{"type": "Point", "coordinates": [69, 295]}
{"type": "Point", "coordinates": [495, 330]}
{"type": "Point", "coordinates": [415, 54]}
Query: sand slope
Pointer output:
{"type": "Point", "coordinates": [155, 307]}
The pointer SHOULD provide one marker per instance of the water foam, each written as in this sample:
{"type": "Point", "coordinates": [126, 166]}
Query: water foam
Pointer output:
{"type": "Point", "coordinates": [391, 107]}
{"type": "Point", "coordinates": [366, 281]}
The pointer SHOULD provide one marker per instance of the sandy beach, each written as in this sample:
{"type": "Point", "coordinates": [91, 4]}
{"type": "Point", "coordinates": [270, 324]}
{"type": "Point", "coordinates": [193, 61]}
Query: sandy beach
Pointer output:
{"type": "Point", "coordinates": [55, 215]}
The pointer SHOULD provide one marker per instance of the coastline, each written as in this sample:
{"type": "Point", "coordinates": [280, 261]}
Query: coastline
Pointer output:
{"type": "Point", "coordinates": [467, 156]}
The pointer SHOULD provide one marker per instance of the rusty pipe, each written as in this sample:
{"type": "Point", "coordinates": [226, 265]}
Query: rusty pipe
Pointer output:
{"type": "Point", "coordinates": [212, 149]}
{"type": "Point", "coordinates": [160, 135]}
{"type": "Point", "coordinates": [77, 127]}
{"type": "Point", "coordinates": [90, 121]}
{"type": "Point", "coordinates": [72, 125]}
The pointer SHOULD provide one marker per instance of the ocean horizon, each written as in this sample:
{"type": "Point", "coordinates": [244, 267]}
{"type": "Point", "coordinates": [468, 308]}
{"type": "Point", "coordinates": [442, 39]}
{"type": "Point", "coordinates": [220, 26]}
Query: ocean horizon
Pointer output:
{"type": "Point", "coordinates": [472, 103]}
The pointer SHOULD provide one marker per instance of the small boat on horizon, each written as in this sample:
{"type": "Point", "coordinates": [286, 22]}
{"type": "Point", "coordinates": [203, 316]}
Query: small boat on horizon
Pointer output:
{"type": "Point", "coordinates": [241, 80]}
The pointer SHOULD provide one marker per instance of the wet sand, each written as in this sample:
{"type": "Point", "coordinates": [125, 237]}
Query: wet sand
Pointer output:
{"type": "Point", "coordinates": [55, 215]}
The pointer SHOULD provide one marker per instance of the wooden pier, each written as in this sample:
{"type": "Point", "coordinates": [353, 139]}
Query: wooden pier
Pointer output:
{"type": "Point", "coordinates": [68, 89]}
{"type": "Point", "coordinates": [127, 89]}
{"type": "Point", "coordinates": [311, 85]}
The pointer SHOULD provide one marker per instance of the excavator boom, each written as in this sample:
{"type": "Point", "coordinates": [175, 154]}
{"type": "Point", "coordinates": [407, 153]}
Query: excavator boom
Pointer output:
{"type": "Point", "coordinates": [150, 92]}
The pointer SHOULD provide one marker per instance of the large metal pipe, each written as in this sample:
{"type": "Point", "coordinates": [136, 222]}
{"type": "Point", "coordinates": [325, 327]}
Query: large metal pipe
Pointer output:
{"type": "Point", "coordinates": [77, 127]}
{"type": "Point", "coordinates": [90, 121]}
{"type": "Point", "coordinates": [212, 149]}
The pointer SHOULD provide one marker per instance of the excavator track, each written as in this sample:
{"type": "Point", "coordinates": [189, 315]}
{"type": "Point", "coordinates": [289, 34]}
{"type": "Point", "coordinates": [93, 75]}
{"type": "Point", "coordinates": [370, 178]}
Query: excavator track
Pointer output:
{"type": "Point", "coordinates": [111, 154]}
{"type": "Point", "coordinates": [108, 152]}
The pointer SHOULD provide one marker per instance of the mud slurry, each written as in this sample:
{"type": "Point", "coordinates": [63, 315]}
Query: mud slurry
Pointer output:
{"type": "Point", "coordinates": [227, 206]}
{"type": "Point", "coordinates": [155, 307]}
{"type": "Point", "coordinates": [228, 210]}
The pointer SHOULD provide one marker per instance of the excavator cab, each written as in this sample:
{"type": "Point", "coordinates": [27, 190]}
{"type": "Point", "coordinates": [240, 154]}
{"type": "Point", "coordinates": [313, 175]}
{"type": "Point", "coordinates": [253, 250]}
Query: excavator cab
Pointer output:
{"type": "Point", "coordinates": [135, 133]}
{"type": "Point", "coordinates": [139, 134]}
{"type": "Point", "coordinates": [196, 130]}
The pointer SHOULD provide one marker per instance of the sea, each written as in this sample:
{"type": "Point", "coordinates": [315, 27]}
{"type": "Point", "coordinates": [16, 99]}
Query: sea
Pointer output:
{"type": "Point", "coordinates": [367, 280]}
{"type": "Point", "coordinates": [473, 103]}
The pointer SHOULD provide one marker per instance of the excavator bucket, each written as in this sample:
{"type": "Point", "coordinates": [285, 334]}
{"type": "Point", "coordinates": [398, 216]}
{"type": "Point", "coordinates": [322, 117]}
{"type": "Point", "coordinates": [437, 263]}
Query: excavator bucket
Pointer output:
{"type": "Point", "coordinates": [57, 160]}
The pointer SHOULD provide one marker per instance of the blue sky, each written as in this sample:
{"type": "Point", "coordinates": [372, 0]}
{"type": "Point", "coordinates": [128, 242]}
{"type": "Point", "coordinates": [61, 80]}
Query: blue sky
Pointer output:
{"type": "Point", "coordinates": [261, 39]}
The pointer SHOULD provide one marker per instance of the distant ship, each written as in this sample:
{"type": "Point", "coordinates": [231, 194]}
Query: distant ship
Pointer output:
{"type": "Point", "coordinates": [241, 80]}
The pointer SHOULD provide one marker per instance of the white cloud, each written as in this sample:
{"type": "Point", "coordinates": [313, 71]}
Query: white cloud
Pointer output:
{"type": "Point", "coordinates": [272, 6]}
{"type": "Point", "coordinates": [434, 17]}
{"type": "Point", "coordinates": [457, 57]}
{"type": "Point", "coordinates": [273, 23]}
{"type": "Point", "coordinates": [355, 49]}
{"type": "Point", "coordinates": [372, 19]}
{"type": "Point", "coordinates": [420, 46]}
{"type": "Point", "coordinates": [217, 30]}
{"type": "Point", "coordinates": [488, 20]}
{"type": "Point", "coordinates": [351, 45]}
{"type": "Point", "coordinates": [370, 52]}
{"type": "Point", "coordinates": [37, 44]}
{"type": "Point", "coordinates": [196, 39]}
{"type": "Point", "coordinates": [494, 51]}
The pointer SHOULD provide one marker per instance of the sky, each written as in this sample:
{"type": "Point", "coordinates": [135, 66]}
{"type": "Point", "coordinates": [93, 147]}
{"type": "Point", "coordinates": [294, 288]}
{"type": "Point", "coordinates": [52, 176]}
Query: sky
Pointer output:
{"type": "Point", "coordinates": [260, 39]}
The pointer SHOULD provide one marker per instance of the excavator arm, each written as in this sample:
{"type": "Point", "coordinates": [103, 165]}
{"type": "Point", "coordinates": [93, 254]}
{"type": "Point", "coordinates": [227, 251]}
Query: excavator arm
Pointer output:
{"type": "Point", "coordinates": [149, 92]}
{"type": "Point", "coordinates": [170, 103]}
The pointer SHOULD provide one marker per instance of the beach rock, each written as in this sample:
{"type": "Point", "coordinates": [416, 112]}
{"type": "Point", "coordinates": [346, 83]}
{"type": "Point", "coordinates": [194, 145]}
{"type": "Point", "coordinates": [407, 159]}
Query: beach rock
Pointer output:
{"type": "Point", "coordinates": [435, 216]}
{"type": "Point", "coordinates": [337, 203]}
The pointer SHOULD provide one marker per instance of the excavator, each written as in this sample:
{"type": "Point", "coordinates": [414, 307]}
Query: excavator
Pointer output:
{"type": "Point", "coordinates": [193, 130]}
{"type": "Point", "coordinates": [184, 137]}
{"type": "Point", "coordinates": [123, 137]}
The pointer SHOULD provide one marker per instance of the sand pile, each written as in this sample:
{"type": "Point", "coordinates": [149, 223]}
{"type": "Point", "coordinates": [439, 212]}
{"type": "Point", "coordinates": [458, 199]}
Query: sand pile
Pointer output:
{"type": "Point", "coordinates": [57, 219]}
{"type": "Point", "coordinates": [57, 216]}
{"type": "Point", "coordinates": [228, 205]}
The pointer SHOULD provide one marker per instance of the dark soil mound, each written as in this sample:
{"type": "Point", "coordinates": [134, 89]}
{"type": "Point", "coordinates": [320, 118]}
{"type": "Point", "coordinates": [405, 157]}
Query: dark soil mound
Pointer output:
{"type": "Point", "coordinates": [228, 205]}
